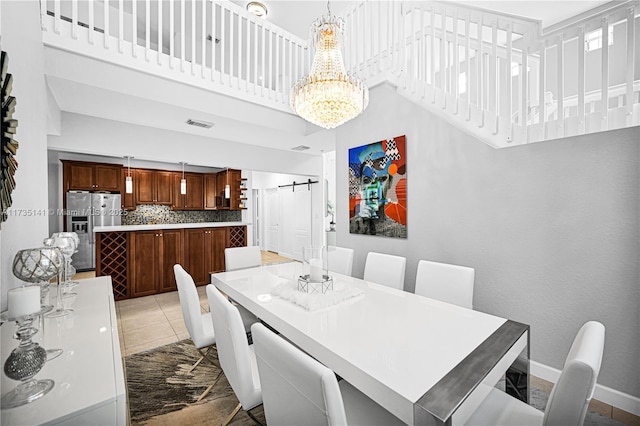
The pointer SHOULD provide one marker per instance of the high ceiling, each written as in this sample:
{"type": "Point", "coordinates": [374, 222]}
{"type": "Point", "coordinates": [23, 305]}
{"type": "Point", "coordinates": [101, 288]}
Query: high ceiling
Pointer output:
{"type": "Point", "coordinates": [253, 124]}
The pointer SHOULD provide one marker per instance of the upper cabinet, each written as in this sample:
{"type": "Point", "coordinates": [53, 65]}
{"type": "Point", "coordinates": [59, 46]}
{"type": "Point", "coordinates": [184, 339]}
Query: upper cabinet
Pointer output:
{"type": "Point", "coordinates": [205, 191]}
{"type": "Point", "coordinates": [83, 176]}
{"type": "Point", "coordinates": [153, 186]}
{"type": "Point", "coordinates": [128, 200]}
{"type": "Point", "coordinates": [194, 197]}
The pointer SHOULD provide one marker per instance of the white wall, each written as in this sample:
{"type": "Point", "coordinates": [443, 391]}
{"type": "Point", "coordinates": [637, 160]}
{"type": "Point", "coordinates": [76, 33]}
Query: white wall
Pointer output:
{"type": "Point", "coordinates": [90, 135]}
{"type": "Point", "coordinates": [551, 228]}
{"type": "Point", "coordinates": [21, 38]}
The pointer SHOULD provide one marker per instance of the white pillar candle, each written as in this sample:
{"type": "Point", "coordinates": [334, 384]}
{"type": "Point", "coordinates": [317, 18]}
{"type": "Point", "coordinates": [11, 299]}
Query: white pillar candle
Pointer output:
{"type": "Point", "coordinates": [315, 270]}
{"type": "Point", "coordinates": [23, 301]}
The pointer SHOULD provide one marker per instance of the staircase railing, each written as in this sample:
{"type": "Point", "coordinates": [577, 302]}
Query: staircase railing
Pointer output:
{"type": "Point", "coordinates": [495, 75]}
{"type": "Point", "coordinates": [215, 45]}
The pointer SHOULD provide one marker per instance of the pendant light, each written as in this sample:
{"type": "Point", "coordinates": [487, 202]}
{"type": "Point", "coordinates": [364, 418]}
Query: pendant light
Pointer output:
{"type": "Point", "coordinates": [183, 181]}
{"type": "Point", "coordinates": [227, 188]}
{"type": "Point", "coordinates": [128, 181]}
{"type": "Point", "coordinates": [328, 96]}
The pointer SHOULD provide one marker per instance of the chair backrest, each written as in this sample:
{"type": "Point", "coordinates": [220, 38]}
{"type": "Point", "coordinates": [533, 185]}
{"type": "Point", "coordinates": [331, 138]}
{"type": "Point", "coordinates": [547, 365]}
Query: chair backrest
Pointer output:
{"type": "Point", "coordinates": [570, 396]}
{"type": "Point", "coordinates": [296, 389]}
{"type": "Point", "coordinates": [340, 260]}
{"type": "Point", "coordinates": [448, 283]}
{"type": "Point", "coordinates": [233, 349]}
{"type": "Point", "coordinates": [385, 269]}
{"type": "Point", "coordinates": [190, 304]}
{"type": "Point", "coordinates": [242, 257]}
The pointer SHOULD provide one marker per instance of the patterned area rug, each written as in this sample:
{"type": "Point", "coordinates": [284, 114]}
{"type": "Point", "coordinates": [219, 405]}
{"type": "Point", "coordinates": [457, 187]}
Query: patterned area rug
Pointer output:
{"type": "Point", "coordinates": [162, 391]}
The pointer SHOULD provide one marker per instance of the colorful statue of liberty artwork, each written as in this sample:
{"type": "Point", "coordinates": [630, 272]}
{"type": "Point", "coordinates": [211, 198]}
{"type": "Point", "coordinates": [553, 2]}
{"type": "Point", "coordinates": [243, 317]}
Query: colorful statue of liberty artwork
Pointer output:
{"type": "Point", "coordinates": [378, 188]}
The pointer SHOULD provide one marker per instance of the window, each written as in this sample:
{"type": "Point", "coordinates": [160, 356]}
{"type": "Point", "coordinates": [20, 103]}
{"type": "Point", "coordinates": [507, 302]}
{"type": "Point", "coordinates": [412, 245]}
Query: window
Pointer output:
{"type": "Point", "coordinates": [593, 40]}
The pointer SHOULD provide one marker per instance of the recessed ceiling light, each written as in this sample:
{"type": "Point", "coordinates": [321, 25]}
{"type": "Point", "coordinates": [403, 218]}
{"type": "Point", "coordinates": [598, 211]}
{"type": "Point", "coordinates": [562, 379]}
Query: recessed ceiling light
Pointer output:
{"type": "Point", "coordinates": [257, 8]}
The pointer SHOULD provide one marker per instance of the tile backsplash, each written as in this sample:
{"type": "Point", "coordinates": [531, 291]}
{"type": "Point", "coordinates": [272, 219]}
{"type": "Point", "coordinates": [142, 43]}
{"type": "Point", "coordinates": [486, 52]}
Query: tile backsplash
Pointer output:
{"type": "Point", "coordinates": [154, 214]}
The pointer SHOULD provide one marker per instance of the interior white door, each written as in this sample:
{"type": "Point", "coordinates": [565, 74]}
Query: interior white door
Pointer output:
{"type": "Point", "coordinates": [295, 220]}
{"type": "Point", "coordinates": [271, 209]}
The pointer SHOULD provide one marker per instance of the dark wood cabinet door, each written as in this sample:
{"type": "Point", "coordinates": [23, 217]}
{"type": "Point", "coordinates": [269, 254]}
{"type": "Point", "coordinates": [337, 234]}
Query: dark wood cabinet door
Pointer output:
{"type": "Point", "coordinates": [234, 183]}
{"type": "Point", "coordinates": [197, 254]}
{"type": "Point", "coordinates": [128, 200]}
{"type": "Point", "coordinates": [143, 182]}
{"type": "Point", "coordinates": [221, 181]}
{"type": "Point", "coordinates": [210, 191]}
{"type": "Point", "coordinates": [107, 178]}
{"type": "Point", "coordinates": [219, 242]}
{"type": "Point", "coordinates": [170, 253]}
{"type": "Point", "coordinates": [145, 260]}
{"type": "Point", "coordinates": [81, 177]}
{"type": "Point", "coordinates": [163, 187]}
{"type": "Point", "coordinates": [195, 191]}
{"type": "Point", "coordinates": [178, 200]}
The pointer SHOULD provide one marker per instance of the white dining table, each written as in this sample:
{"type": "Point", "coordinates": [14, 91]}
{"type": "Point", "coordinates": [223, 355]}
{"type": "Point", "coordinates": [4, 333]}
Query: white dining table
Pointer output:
{"type": "Point", "coordinates": [425, 361]}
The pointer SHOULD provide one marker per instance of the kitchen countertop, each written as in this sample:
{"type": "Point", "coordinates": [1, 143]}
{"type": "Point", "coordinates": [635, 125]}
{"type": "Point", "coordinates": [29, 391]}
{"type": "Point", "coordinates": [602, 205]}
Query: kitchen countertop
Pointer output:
{"type": "Point", "coordinates": [167, 226]}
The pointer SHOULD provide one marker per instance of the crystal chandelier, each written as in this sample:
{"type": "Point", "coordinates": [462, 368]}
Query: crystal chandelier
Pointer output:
{"type": "Point", "coordinates": [328, 96]}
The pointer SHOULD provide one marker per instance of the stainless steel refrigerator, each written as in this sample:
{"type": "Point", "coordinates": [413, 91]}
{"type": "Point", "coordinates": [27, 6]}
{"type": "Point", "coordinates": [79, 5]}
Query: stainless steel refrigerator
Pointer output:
{"type": "Point", "coordinates": [85, 210]}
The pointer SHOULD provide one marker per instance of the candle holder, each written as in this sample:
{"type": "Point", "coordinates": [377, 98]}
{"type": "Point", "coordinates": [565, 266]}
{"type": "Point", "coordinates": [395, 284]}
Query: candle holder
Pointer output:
{"type": "Point", "coordinates": [67, 245]}
{"type": "Point", "coordinates": [24, 362]}
{"type": "Point", "coordinates": [315, 278]}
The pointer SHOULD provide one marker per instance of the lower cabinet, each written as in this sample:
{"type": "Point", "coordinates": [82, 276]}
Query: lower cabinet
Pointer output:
{"type": "Point", "coordinates": [153, 254]}
{"type": "Point", "coordinates": [204, 249]}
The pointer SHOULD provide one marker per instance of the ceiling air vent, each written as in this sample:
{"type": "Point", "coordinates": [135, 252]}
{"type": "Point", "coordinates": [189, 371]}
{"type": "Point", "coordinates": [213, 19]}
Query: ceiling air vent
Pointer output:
{"type": "Point", "coordinates": [202, 124]}
{"type": "Point", "coordinates": [300, 148]}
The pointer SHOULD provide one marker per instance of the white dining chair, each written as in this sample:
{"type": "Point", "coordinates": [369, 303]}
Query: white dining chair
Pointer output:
{"type": "Point", "coordinates": [199, 325]}
{"type": "Point", "coordinates": [236, 356]}
{"type": "Point", "coordinates": [298, 390]}
{"type": "Point", "coordinates": [236, 258]}
{"type": "Point", "coordinates": [242, 257]}
{"type": "Point", "coordinates": [569, 399]}
{"type": "Point", "coordinates": [445, 282]}
{"type": "Point", "coordinates": [385, 269]}
{"type": "Point", "coordinates": [340, 260]}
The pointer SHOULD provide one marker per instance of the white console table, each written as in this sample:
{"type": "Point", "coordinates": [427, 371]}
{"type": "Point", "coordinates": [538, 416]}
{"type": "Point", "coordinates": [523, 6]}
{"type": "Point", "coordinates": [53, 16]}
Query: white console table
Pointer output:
{"type": "Point", "coordinates": [89, 380]}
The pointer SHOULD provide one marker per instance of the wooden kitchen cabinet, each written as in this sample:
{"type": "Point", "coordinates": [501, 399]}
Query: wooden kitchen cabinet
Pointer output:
{"type": "Point", "coordinates": [210, 191]}
{"type": "Point", "coordinates": [204, 248]}
{"type": "Point", "coordinates": [153, 186]}
{"type": "Point", "coordinates": [128, 200]}
{"type": "Point", "coordinates": [83, 176]}
{"type": "Point", "coordinates": [194, 198]}
{"type": "Point", "coordinates": [152, 256]}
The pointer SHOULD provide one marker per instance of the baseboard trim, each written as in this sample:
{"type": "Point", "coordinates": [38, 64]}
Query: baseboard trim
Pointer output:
{"type": "Point", "coordinates": [623, 401]}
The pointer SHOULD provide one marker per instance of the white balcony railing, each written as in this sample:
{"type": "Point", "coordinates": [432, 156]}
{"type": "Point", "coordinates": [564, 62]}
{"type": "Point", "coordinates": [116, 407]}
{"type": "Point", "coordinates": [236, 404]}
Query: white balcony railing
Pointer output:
{"type": "Point", "coordinates": [497, 76]}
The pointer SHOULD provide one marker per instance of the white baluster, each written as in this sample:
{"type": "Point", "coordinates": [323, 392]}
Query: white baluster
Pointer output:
{"type": "Point", "coordinates": [193, 37]}
{"type": "Point", "coordinates": [248, 66]}
{"type": "Point", "coordinates": [120, 26]}
{"type": "Point", "coordinates": [581, 83]}
{"type": "Point", "coordinates": [74, 19]}
{"type": "Point", "coordinates": [160, 5]}
{"type": "Point", "coordinates": [223, 42]}
{"type": "Point", "coordinates": [106, 25]}
{"type": "Point", "coordinates": [91, 22]}
{"type": "Point", "coordinates": [630, 64]}
{"type": "Point", "coordinates": [232, 37]}
{"type": "Point", "coordinates": [456, 64]}
{"type": "Point", "coordinates": [56, 16]}
{"type": "Point", "coordinates": [270, 69]}
{"type": "Point", "coordinates": [172, 41]}
{"type": "Point", "coordinates": [605, 73]}
{"type": "Point", "coordinates": [542, 87]}
{"type": "Point", "coordinates": [147, 30]}
{"type": "Point", "coordinates": [263, 73]}
{"type": "Point", "coordinates": [523, 97]}
{"type": "Point", "coordinates": [43, 14]}
{"type": "Point", "coordinates": [183, 34]}
{"type": "Point", "coordinates": [134, 28]}
{"type": "Point", "coordinates": [203, 38]}
{"type": "Point", "coordinates": [467, 56]}
{"type": "Point", "coordinates": [560, 77]}
{"type": "Point", "coordinates": [214, 8]}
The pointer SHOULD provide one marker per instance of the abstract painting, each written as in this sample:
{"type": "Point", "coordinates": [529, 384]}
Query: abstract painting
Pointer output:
{"type": "Point", "coordinates": [378, 188]}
